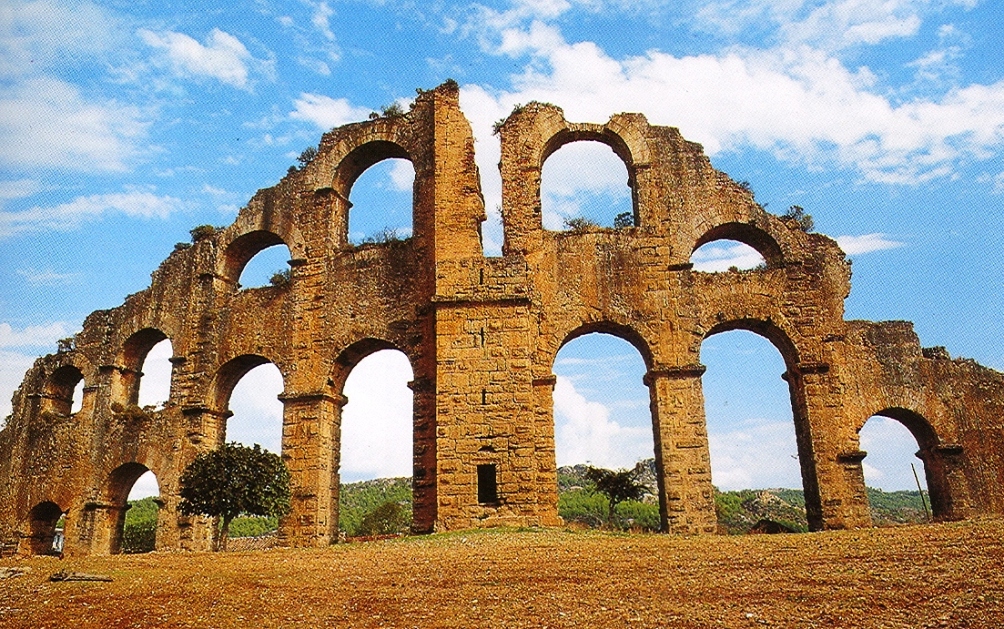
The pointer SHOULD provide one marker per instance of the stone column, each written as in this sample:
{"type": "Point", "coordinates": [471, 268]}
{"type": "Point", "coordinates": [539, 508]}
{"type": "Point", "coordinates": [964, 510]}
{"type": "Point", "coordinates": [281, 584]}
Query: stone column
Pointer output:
{"type": "Point", "coordinates": [682, 458]}
{"type": "Point", "coordinates": [835, 496]}
{"type": "Point", "coordinates": [310, 446]}
{"type": "Point", "coordinates": [205, 430]}
{"type": "Point", "coordinates": [547, 471]}
{"type": "Point", "coordinates": [423, 482]}
{"type": "Point", "coordinates": [947, 486]}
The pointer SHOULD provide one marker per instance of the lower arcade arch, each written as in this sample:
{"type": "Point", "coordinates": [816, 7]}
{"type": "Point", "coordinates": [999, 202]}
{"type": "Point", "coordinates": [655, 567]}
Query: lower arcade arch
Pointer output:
{"type": "Point", "coordinates": [902, 457]}
{"type": "Point", "coordinates": [45, 536]}
{"type": "Point", "coordinates": [603, 419]}
{"type": "Point", "coordinates": [753, 425]}
{"type": "Point", "coordinates": [127, 532]}
{"type": "Point", "coordinates": [377, 441]}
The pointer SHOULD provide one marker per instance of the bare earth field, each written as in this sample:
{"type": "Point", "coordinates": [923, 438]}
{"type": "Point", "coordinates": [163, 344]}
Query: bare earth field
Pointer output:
{"type": "Point", "coordinates": [945, 575]}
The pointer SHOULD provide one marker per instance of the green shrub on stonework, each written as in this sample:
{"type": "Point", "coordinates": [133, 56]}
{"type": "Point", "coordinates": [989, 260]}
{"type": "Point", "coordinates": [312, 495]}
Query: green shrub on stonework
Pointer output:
{"type": "Point", "coordinates": [202, 232]}
{"type": "Point", "coordinates": [624, 219]}
{"type": "Point", "coordinates": [281, 278]}
{"type": "Point", "coordinates": [580, 224]}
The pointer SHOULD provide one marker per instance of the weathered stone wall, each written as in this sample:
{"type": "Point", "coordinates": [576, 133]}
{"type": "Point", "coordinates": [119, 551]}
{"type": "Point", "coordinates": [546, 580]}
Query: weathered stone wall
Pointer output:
{"type": "Point", "coordinates": [482, 335]}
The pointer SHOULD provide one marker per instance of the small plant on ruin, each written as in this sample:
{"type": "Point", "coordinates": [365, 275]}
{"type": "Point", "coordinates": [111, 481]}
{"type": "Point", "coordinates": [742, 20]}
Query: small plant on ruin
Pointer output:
{"type": "Point", "coordinates": [281, 278]}
{"type": "Point", "coordinates": [202, 232]}
{"type": "Point", "coordinates": [65, 345]}
{"type": "Point", "coordinates": [132, 412]}
{"type": "Point", "coordinates": [235, 480]}
{"type": "Point", "coordinates": [624, 219]}
{"type": "Point", "coordinates": [181, 246]}
{"type": "Point", "coordinates": [580, 224]}
{"type": "Point", "coordinates": [797, 214]}
{"type": "Point", "coordinates": [391, 111]}
{"type": "Point", "coordinates": [385, 235]}
{"type": "Point", "coordinates": [617, 486]}
{"type": "Point", "coordinates": [306, 156]}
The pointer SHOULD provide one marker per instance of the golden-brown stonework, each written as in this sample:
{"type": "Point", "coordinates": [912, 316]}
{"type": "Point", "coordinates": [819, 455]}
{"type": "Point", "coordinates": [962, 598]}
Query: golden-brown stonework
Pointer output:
{"type": "Point", "coordinates": [482, 334]}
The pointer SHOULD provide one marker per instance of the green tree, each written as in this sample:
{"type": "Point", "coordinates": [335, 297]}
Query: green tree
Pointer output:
{"type": "Point", "coordinates": [624, 219]}
{"type": "Point", "coordinates": [387, 519]}
{"type": "Point", "coordinates": [235, 480]}
{"type": "Point", "coordinates": [797, 213]}
{"type": "Point", "coordinates": [617, 486]}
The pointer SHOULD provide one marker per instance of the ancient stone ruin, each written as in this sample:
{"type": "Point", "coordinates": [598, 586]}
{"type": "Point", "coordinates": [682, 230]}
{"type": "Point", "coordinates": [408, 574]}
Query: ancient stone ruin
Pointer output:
{"type": "Point", "coordinates": [482, 334]}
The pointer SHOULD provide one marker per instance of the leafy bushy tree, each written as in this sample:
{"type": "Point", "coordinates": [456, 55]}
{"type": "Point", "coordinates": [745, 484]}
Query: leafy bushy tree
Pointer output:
{"type": "Point", "coordinates": [624, 219]}
{"type": "Point", "coordinates": [617, 486]}
{"type": "Point", "coordinates": [234, 480]}
{"type": "Point", "coordinates": [387, 519]}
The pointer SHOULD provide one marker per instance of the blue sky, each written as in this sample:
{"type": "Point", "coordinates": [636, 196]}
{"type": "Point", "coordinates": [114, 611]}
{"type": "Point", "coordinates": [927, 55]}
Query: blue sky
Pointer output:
{"type": "Point", "coordinates": [124, 124]}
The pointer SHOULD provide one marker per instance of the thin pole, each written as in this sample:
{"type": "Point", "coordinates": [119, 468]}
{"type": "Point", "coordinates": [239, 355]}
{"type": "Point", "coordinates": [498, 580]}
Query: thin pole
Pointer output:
{"type": "Point", "coordinates": [922, 500]}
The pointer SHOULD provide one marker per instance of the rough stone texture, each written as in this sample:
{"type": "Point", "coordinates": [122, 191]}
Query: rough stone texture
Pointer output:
{"type": "Point", "coordinates": [482, 334]}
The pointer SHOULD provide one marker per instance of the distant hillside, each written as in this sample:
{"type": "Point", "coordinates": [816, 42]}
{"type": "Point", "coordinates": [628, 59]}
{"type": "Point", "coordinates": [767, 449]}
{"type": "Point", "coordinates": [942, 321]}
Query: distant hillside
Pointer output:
{"type": "Point", "coordinates": [384, 505]}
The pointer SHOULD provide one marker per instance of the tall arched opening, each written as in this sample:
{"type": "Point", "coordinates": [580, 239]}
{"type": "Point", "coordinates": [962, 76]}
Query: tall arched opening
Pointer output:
{"type": "Point", "coordinates": [902, 453]}
{"type": "Point", "coordinates": [585, 184]}
{"type": "Point", "coordinates": [603, 419]}
{"type": "Point", "coordinates": [752, 428]}
{"type": "Point", "coordinates": [376, 447]}
{"type": "Point", "coordinates": [381, 200]}
{"type": "Point", "coordinates": [131, 520]}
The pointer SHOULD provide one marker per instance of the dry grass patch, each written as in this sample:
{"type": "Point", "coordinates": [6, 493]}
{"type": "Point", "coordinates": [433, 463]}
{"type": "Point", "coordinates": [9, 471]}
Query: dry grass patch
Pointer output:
{"type": "Point", "coordinates": [947, 575]}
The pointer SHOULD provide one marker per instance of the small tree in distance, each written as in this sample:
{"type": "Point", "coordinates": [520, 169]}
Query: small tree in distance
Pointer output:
{"type": "Point", "coordinates": [617, 486]}
{"type": "Point", "coordinates": [234, 480]}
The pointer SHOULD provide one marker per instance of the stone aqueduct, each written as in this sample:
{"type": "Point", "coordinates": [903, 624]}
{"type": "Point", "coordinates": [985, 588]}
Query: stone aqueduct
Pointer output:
{"type": "Point", "coordinates": [482, 334]}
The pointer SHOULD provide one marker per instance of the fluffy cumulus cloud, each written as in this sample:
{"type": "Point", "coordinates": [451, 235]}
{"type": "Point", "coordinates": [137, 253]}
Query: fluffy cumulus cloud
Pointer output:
{"type": "Point", "coordinates": [799, 100]}
{"type": "Point", "coordinates": [91, 135]}
{"type": "Point", "coordinates": [757, 454]}
{"type": "Point", "coordinates": [223, 57]}
{"type": "Point", "coordinates": [69, 215]}
{"type": "Point", "coordinates": [326, 112]}
{"type": "Point", "coordinates": [585, 433]}
{"type": "Point", "coordinates": [717, 257]}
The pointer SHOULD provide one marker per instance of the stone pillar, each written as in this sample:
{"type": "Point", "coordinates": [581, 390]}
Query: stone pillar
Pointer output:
{"type": "Point", "coordinates": [547, 470]}
{"type": "Point", "coordinates": [310, 445]}
{"type": "Point", "coordinates": [423, 482]}
{"type": "Point", "coordinates": [835, 496]}
{"type": "Point", "coordinates": [947, 486]}
{"type": "Point", "coordinates": [682, 458]}
{"type": "Point", "coordinates": [205, 430]}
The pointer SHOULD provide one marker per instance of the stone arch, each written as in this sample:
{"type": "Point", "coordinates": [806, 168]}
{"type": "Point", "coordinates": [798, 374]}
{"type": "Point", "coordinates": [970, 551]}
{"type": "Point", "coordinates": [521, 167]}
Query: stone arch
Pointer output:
{"type": "Point", "coordinates": [58, 389]}
{"type": "Point", "coordinates": [620, 330]}
{"type": "Point", "coordinates": [42, 521]}
{"type": "Point", "coordinates": [357, 161]}
{"type": "Point", "coordinates": [354, 354]}
{"type": "Point", "coordinates": [749, 235]}
{"type": "Point", "coordinates": [227, 377]}
{"type": "Point", "coordinates": [938, 458]}
{"type": "Point", "coordinates": [592, 133]}
{"type": "Point", "coordinates": [239, 251]}
{"type": "Point", "coordinates": [126, 382]}
{"type": "Point", "coordinates": [782, 341]}
{"type": "Point", "coordinates": [116, 494]}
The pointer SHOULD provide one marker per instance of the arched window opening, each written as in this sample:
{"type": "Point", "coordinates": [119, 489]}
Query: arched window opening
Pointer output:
{"type": "Point", "coordinates": [892, 472]}
{"type": "Point", "coordinates": [751, 433]}
{"type": "Point", "coordinates": [382, 203]}
{"type": "Point", "coordinates": [155, 384]}
{"type": "Point", "coordinates": [377, 439]}
{"type": "Point", "coordinates": [603, 419]}
{"type": "Point", "coordinates": [257, 411]}
{"type": "Point", "coordinates": [46, 529]}
{"type": "Point", "coordinates": [63, 388]}
{"type": "Point", "coordinates": [139, 523]}
{"type": "Point", "coordinates": [268, 267]}
{"type": "Point", "coordinates": [726, 255]}
{"type": "Point", "coordinates": [584, 185]}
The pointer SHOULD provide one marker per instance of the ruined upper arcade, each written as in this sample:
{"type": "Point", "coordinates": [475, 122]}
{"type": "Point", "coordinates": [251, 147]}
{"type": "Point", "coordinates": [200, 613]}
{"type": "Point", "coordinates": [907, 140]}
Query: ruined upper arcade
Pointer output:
{"type": "Point", "coordinates": [481, 334]}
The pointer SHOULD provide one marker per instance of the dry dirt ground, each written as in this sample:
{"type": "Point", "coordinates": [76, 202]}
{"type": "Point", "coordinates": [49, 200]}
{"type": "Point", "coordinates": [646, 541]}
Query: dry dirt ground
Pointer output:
{"type": "Point", "coordinates": [944, 575]}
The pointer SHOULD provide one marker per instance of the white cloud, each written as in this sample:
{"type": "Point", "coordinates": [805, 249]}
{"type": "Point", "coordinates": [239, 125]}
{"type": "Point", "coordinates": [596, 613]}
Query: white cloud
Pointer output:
{"type": "Point", "coordinates": [155, 385]}
{"type": "Point", "coordinates": [33, 335]}
{"type": "Point", "coordinates": [46, 277]}
{"type": "Point", "coordinates": [401, 175]}
{"type": "Point", "coordinates": [223, 57]}
{"type": "Point", "coordinates": [326, 112]}
{"type": "Point", "coordinates": [257, 411]}
{"type": "Point", "coordinates": [90, 136]}
{"type": "Point", "coordinates": [757, 454]}
{"type": "Point", "coordinates": [18, 189]}
{"type": "Point", "coordinates": [891, 449]}
{"type": "Point", "coordinates": [68, 216]}
{"type": "Point", "coordinates": [715, 257]}
{"type": "Point", "coordinates": [320, 19]}
{"type": "Point", "coordinates": [856, 245]}
{"type": "Point", "coordinates": [584, 432]}
{"type": "Point", "coordinates": [36, 35]}
{"type": "Point", "coordinates": [376, 423]}
{"type": "Point", "coordinates": [13, 366]}
{"type": "Point", "coordinates": [799, 102]}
